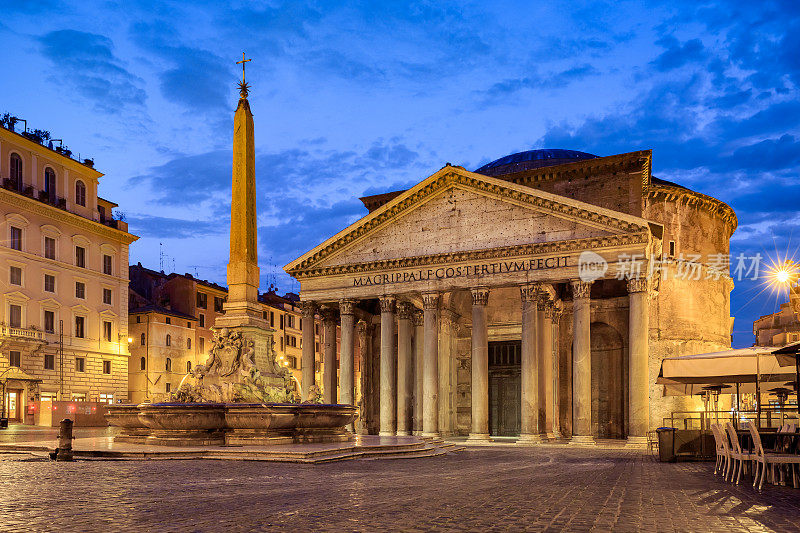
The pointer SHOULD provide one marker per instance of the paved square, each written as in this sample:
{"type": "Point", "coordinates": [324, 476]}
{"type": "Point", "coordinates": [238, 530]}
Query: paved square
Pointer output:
{"type": "Point", "coordinates": [478, 489]}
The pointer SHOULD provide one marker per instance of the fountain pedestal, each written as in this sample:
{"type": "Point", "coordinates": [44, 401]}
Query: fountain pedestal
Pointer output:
{"type": "Point", "coordinates": [232, 424]}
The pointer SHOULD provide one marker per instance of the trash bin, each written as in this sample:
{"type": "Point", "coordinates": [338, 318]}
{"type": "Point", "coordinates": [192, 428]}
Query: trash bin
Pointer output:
{"type": "Point", "coordinates": [3, 423]}
{"type": "Point", "coordinates": [666, 444]}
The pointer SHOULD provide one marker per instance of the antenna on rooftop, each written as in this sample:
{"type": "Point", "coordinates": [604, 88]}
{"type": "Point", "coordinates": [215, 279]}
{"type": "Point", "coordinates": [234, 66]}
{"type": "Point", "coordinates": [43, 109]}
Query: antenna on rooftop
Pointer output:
{"type": "Point", "coordinates": [161, 256]}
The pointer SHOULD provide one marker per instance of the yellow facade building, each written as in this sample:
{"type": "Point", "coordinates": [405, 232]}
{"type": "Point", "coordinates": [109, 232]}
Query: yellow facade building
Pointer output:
{"type": "Point", "coordinates": [64, 281]}
{"type": "Point", "coordinates": [170, 325]}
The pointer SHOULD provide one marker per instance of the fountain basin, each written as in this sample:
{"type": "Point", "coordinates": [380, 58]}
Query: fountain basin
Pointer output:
{"type": "Point", "coordinates": [231, 424]}
{"type": "Point", "coordinates": [126, 417]}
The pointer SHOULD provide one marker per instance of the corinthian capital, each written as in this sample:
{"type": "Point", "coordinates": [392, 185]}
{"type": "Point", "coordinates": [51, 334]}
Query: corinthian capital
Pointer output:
{"type": "Point", "coordinates": [387, 304]}
{"type": "Point", "coordinates": [638, 284]}
{"type": "Point", "coordinates": [529, 292]}
{"type": "Point", "coordinates": [328, 313]}
{"type": "Point", "coordinates": [308, 309]}
{"type": "Point", "coordinates": [430, 300]}
{"type": "Point", "coordinates": [347, 307]}
{"type": "Point", "coordinates": [404, 310]}
{"type": "Point", "coordinates": [549, 309]}
{"type": "Point", "coordinates": [543, 302]}
{"type": "Point", "coordinates": [480, 296]}
{"type": "Point", "coordinates": [419, 317]}
{"type": "Point", "coordinates": [580, 289]}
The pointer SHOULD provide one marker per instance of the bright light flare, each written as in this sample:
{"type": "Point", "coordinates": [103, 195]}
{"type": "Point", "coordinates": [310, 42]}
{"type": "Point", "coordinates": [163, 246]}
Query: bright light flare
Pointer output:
{"type": "Point", "coordinates": [782, 275]}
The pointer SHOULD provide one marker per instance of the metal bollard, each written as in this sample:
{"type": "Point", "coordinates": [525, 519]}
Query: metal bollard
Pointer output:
{"type": "Point", "coordinates": [64, 450]}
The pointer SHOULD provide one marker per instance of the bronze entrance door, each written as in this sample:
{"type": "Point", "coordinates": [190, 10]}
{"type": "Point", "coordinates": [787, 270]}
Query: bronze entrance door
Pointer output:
{"type": "Point", "coordinates": [505, 390]}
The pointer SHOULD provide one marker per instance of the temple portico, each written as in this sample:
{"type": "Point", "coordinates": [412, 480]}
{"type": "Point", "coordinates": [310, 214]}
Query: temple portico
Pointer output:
{"type": "Point", "coordinates": [412, 382]}
{"type": "Point", "coordinates": [492, 308]}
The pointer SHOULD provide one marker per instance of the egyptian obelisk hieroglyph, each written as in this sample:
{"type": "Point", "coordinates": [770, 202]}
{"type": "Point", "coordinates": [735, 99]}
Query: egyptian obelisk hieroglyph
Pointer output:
{"type": "Point", "coordinates": [242, 310]}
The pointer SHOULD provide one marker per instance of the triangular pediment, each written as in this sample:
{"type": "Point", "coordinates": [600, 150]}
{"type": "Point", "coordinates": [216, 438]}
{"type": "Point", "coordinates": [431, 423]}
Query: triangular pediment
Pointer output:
{"type": "Point", "coordinates": [456, 211]}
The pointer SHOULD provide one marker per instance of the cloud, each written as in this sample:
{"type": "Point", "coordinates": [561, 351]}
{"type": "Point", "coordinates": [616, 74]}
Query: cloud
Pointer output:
{"type": "Point", "coordinates": [301, 225]}
{"type": "Point", "coordinates": [188, 180]}
{"type": "Point", "coordinates": [558, 80]}
{"type": "Point", "coordinates": [158, 227]}
{"type": "Point", "coordinates": [337, 63]}
{"type": "Point", "coordinates": [196, 79]}
{"type": "Point", "coordinates": [33, 7]}
{"type": "Point", "coordinates": [769, 154]}
{"type": "Point", "coordinates": [192, 180]}
{"type": "Point", "coordinates": [87, 62]}
{"type": "Point", "coordinates": [678, 54]}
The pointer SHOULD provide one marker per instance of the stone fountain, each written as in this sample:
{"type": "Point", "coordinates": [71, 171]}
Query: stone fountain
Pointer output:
{"type": "Point", "coordinates": [229, 401]}
{"type": "Point", "coordinates": [240, 396]}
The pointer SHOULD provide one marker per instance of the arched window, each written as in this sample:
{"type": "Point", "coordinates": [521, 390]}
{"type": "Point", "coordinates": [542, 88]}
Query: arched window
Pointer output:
{"type": "Point", "coordinates": [142, 339]}
{"type": "Point", "coordinates": [188, 344]}
{"type": "Point", "coordinates": [188, 366]}
{"type": "Point", "coordinates": [143, 363]}
{"type": "Point", "coordinates": [16, 171]}
{"type": "Point", "coordinates": [80, 193]}
{"type": "Point", "coordinates": [169, 365]}
{"type": "Point", "coordinates": [169, 340]}
{"type": "Point", "coordinates": [50, 183]}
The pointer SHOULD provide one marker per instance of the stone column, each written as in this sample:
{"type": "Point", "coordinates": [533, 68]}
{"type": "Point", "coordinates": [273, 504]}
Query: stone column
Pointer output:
{"type": "Point", "coordinates": [405, 368]}
{"type": "Point", "coordinates": [329, 380]}
{"type": "Point", "coordinates": [529, 432]}
{"type": "Point", "coordinates": [388, 376]}
{"type": "Point", "coordinates": [418, 369]}
{"type": "Point", "coordinates": [639, 355]}
{"type": "Point", "coordinates": [545, 318]}
{"type": "Point", "coordinates": [556, 317]}
{"type": "Point", "coordinates": [581, 365]}
{"type": "Point", "coordinates": [430, 370]}
{"type": "Point", "coordinates": [480, 366]}
{"type": "Point", "coordinates": [347, 321]}
{"type": "Point", "coordinates": [542, 360]}
{"type": "Point", "coordinates": [308, 310]}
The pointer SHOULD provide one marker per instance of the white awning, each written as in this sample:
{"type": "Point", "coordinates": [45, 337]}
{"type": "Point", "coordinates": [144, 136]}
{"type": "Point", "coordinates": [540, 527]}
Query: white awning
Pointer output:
{"type": "Point", "coordinates": [729, 367]}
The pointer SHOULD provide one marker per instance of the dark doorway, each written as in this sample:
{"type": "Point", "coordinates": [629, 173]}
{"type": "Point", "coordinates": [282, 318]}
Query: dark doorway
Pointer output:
{"type": "Point", "coordinates": [505, 392]}
{"type": "Point", "coordinates": [608, 382]}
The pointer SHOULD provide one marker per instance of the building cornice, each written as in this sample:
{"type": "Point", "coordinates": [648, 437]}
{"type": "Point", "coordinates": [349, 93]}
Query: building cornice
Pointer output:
{"type": "Point", "coordinates": [43, 151]}
{"type": "Point", "coordinates": [458, 177]}
{"type": "Point", "coordinates": [34, 206]}
{"type": "Point", "coordinates": [658, 192]}
{"type": "Point", "coordinates": [508, 252]}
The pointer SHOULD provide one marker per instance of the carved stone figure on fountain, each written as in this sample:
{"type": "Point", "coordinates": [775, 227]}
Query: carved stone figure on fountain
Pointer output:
{"type": "Point", "coordinates": [230, 374]}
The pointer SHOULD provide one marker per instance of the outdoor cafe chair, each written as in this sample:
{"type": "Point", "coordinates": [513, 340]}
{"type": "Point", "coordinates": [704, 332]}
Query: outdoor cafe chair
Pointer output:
{"type": "Point", "coordinates": [737, 454]}
{"type": "Point", "coordinates": [784, 443]}
{"type": "Point", "coordinates": [765, 458]}
{"type": "Point", "coordinates": [722, 448]}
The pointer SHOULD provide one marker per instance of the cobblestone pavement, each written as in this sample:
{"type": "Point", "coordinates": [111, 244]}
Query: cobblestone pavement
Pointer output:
{"type": "Point", "coordinates": [479, 489]}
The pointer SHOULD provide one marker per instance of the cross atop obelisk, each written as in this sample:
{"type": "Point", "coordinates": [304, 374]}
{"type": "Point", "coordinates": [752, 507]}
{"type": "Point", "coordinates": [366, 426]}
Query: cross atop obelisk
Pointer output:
{"type": "Point", "coordinates": [244, 88]}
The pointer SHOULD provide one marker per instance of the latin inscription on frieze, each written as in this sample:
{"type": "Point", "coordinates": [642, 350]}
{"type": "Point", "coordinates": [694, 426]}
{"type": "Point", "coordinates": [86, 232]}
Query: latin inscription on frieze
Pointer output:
{"type": "Point", "coordinates": [439, 273]}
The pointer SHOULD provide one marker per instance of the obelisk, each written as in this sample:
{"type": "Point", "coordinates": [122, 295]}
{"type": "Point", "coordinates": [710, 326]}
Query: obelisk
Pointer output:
{"type": "Point", "coordinates": [242, 310]}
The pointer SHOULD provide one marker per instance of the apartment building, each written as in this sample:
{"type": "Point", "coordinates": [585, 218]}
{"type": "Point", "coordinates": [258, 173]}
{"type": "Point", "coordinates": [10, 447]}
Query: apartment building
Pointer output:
{"type": "Point", "coordinates": [64, 280]}
{"type": "Point", "coordinates": [185, 309]}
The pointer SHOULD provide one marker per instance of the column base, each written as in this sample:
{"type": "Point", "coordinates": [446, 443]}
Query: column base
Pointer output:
{"type": "Point", "coordinates": [403, 433]}
{"type": "Point", "coordinates": [417, 432]}
{"type": "Point", "coordinates": [529, 438]}
{"type": "Point", "coordinates": [478, 437]}
{"type": "Point", "coordinates": [582, 440]}
{"type": "Point", "coordinates": [430, 434]}
{"type": "Point", "coordinates": [386, 433]}
{"type": "Point", "coordinates": [639, 443]}
{"type": "Point", "coordinates": [550, 436]}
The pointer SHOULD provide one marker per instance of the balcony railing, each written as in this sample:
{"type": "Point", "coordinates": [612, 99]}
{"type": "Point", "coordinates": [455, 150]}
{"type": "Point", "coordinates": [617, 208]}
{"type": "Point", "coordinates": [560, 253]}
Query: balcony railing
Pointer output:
{"type": "Point", "coordinates": [22, 333]}
{"type": "Point", "coordinates": [56, 201]}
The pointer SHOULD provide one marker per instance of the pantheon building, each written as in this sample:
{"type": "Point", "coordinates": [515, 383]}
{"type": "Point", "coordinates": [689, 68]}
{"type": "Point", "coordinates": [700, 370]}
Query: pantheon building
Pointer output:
{"type": "Point", "coordinates": [534, 298]}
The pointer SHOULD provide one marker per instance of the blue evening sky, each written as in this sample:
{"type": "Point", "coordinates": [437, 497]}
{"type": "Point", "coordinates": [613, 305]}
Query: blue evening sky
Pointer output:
{"type": "Point", "coordinates": [360, 98]}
